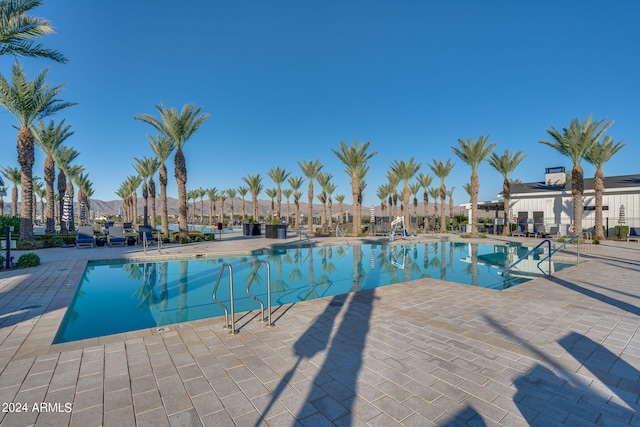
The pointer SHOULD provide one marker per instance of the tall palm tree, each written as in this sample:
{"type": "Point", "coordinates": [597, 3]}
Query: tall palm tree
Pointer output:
{"type": "Point", "coordinates": [18, 31]}
{"type": "Point", "coordinates": [3, 192]}
{"type": "Point", "coordinates": [382, 193]}
{"type": "Point", "coordinates": [414, 188]}
{"type": "Point", "coordinates": [278, 176]}
{"type": "Point", "coordinates": [442, 170]}
{"type": "Point", "coordinates": [329, 189]}
{"type": "Point", "coordinates": [85, 191]}
{"type": "Point", "coordinates": [132, 184]}
{"type": "Point", "coordinates": [49, 138]}
{"type": "Point", "coordinates": [575, 142]}
{"type": "Point", "coordinates": [450, 194]}
{"type": "Point", "coordinates": [179, 127]}
{"type": "Point", "coordinates": [145, 168]}
{"type": "Point", "coordinates": [598, 155]}
{"type": "Point", "coordinates": [162, 146]}
{"type": "Point", "coordinates": [296, 182]}
{"type": "Point", "coordinates": [212, 194]}
{"type": "Point", "coordinates": [254, 182]}
{"type": "Point", "coordinates": [39, 190]}
{"type": "Point", "coordinates": [242, 191]}
{"type": "Point", "coordinates": [222, 196]}
{"type": "Point", "coordinates": [505, 165]}
{"type": "Point", "coordinates": [425, 182]}
{"type": "Point", "coordinates": [474, 153]}
{"type": "Point", "coordinates": [152, 168]}
{"type": "Point", "coordinates": [193, 196]}
{"type": "Point", "coordinates": [355, 159]}
{"type": "Point", "coordinates": [201, 193]}
{"type": "Point", "coordinates": [28, 101]}
{"type": "Point", "coordinates": [340, 199]}
{"type": "Point", "coordinates": [231, 194]}
{"type": "Point", "coordinates": [310, 169]}
{"type": "Point", "coordinates": [271, 193]}
{"type": "Point", "coordinates": [435, 193]}
{"type": "Point", "coordinates": [405, 171]}
{"type": "Point", "coordinates": [14, 176]}
{"type": "Point", "coordinates": [323, 179]}
{"type": "Point", "coordinates": [63, 158]}
{"type": "Point", "coordinates": [394, 180]}
{"type": "Point", "coordinates": [287, 193]}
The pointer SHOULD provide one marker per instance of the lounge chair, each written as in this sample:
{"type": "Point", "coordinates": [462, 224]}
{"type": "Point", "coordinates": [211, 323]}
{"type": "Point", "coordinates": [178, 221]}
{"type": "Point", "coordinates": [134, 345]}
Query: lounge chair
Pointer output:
{"type": "Point", "coordinates": [116, 236]}
{"type": "Point", "coordinates": [518, 233]}
{"type": "Point", "coordinates": [145, 230]}
{"type": "Point", "coordinates": [634, 235]}
{"type": "Point", "coordinates": [85, 239]}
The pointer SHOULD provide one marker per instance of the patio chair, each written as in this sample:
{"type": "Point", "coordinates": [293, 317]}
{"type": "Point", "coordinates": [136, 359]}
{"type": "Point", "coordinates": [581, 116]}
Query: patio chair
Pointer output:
{"type": "Point", "coordinates": [634, 235]}
{"type": "Point", "coordinates": [519, 232]}
{"type": "Point", "coordinates": [145, 230]}
{"type": "Point", "coordinates": [85, 239]}
{"type": "Point", "coordinates": [116, 236]}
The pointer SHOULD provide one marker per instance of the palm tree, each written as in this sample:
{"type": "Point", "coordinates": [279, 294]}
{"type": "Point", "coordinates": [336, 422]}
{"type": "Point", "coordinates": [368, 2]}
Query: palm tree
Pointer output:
{"type": "Point", "coordinates": [405, 171]}
{"type": "Point", "coordinates": [13, 175]}
{"type": "Point", "coordinates": [271, 193]}
{"type": "Point", "coordinates": [3, 192]}
{"type": "Point", "coordinates": [310, 169]}
{"type": "Point", "coordinates": [201, 193]}
{"type": "Point", "coordinates": [450, 194]}
{"type": "Point", "coordinates": [414, 189]}
{"type": "Point", "coordinates": [28, 101]}
{"type": "Point", "coordinates": [242, 191]}
{"type": "Point", "coordinates": [179, 127]}
{"type": "Point", "coordinates": [40, 191]}
{"type": "Point", "coordinates": [296, 182]}
{"type": "Point", "coordinates": [162, 147]}
{"type": "Point", "coordinates": [355, 159]}
{"type": "Point", "coordinates": [212, 194]}
{"type": "Point", "coordinates": [152, 168]}
{"type": "Point", "coordinates": [254, 182]}
{"type": "Point", "coordinates": [19, 31]}
{"type": "Point", "coordinates": [287, 192]}
{"type": "Point", "coordinates": [340, 199]}
{"type": "Point", "coordinates": [222, 196]}
{"type": "Point", "coordinates": [394, 180]}
{"type": "Point", "coordinates": [575, 142]}
{"type": "Point", "coordinates": [49, 138]}
{"type": "Point", "coordinates": [434, 192]}
{"type": "Point", "coordinates": [505, 165]}
{"type": "Point", "coordinates": [330, 188]}
{"type": "Point", "coordinates": [145, 168]}
{"type": "Point", "coordinates": [278, 176]}
{"type": "Point", "coordinates": [598, 155]}
{"type": "Point", "coordinates": [473, 153]}
{"type": "Point", "coordinates": [193, 196]}
{"type": "Point", "coordinates": [85, 191]}
{"type": "Point", "coordinates": [425, 182]}
{"type": "Point", "coordinates": [231, 194]}
{"type": "Point", "coordinates": [63, 158]}
{"type": "Point", "coordinates": [323, 179]}
{"type": "Point", "coordinates": [441, 170]}
{"type": "Point", "coordinates": [132, 183]}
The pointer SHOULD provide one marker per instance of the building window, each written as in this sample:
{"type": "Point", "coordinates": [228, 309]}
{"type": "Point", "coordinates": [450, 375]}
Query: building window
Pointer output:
{"type": "Point", "coordinates": [593, 208]}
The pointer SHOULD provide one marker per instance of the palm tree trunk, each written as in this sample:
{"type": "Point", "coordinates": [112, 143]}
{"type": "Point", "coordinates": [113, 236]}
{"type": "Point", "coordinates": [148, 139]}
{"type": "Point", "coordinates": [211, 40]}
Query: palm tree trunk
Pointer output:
{"type": "Point", "coordinates": [152, 202]}
{"type": "Point", "coordinates": [14, 200]}
{"type": "Point", "coordinates": [475, 189]}
{"type": "Point", "coordinates": [62, 187]}
{"type": "Point", "coordinates": [164, 211]}
{"type": "Point", "coordinates": [506, 195]}
{"type": "Point", "coordinates": [310, 208]}
{"type": "Point", "coordinates": [598, 186]}
{"type": "Point", "coordinates": [355, 192]}
{"type": "Point", "coordinates": [70, 192]}
{"type": "Point", "coordinates": [49, 178]}
{"type": "Point", "coordinates": [145, 204]}
{"type": "Point", "coordinates": [443, 197]}
{"type": "Point", "coordinates": [26, 158]}
{"type": "Point", "coordinates": [577, 188]}
{"type": "Point", "coordinates": [181, 179]}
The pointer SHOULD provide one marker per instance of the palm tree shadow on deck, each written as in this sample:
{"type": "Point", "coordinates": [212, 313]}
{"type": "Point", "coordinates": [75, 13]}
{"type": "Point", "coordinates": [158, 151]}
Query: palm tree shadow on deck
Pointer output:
{"type": "Point", "coordinates": [333, 389]}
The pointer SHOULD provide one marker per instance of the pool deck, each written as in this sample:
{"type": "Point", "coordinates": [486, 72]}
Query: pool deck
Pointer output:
{"type": "Point", "coordinates": [552, 351]}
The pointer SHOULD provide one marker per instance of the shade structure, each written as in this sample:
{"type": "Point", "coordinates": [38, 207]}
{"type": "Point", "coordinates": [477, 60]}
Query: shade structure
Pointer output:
{"type": "Point", "coordinates": [66, 209]}
{"type": "Point", "coordinates": [83, 212]}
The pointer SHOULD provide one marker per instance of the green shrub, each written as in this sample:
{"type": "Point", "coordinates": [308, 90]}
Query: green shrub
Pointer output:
{"type": "Point", "coordinates": [209, 237]}
{"type": "Point", "coordinates": [13, 221]}
{"type": "Point", "coordinates": [28, 260]}
{"type": "Point", "coordinates": [596, 241]}
{"type": "Point", "coordinates": [184, 241]}
{"type": "Point", "coordinates": [166, 240]}
{"type": "Point", "coordinates": [561, 240]}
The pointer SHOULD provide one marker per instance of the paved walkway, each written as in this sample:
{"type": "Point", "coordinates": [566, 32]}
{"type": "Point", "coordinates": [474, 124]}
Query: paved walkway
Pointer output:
{"type": "Point", "coordinates": [558, 350]}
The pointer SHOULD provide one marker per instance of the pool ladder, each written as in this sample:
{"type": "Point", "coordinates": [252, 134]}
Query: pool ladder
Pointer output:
{"type": "Point", "coordinates": [339, 233]}
{"type": "Point", "coordinates": [231, 325]}
{"type": "Point", "coordinates": [550, 253]}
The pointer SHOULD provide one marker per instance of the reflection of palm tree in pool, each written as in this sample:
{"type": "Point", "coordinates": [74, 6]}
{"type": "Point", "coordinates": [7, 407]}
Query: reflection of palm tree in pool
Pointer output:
{"type": "Point", "coordinates": [474, 264]}
{"type": "Point", "coordinates": [146, 292]}
{"type": "Point", "coordinates": [443, 262]}
{"type": "Point", "coordinates": [358, 271]}
{"type": "Point", "coordinates": [164, 295]}
{"type": "Point", "coordinates": [133, 271]}
{"type": "Point", "coordinates": [182, 314]}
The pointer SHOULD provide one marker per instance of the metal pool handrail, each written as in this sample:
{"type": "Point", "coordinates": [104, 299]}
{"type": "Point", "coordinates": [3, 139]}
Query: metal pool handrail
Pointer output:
{"type": "Point", "coordinates": [227, 325]}
{"type": "Point", "coordinates": [558, 249]}
{"type": "Point", "coordinates": [339, 230]}
{"type": "Point", "coordinates": [253, 276]}
{"type": "Point", "coordinates": [547, 241]}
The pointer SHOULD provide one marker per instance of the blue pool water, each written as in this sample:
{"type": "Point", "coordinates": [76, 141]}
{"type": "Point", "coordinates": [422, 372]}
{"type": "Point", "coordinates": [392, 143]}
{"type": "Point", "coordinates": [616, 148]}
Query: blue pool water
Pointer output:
{"type": "Point", "coordinates": [120, 296]}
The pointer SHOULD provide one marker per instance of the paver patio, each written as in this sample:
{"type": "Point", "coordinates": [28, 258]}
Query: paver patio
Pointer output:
{"type": "Point", "coordinates": [558, 350]}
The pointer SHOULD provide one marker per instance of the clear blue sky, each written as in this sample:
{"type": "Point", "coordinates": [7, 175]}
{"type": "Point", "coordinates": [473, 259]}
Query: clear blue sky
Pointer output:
{"type": "Point", "coordinates": [287, 81]}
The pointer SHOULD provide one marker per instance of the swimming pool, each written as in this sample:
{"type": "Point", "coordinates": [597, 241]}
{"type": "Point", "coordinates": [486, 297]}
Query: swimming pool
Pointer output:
{"type": "Point", "coordinates": [121, 296]}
